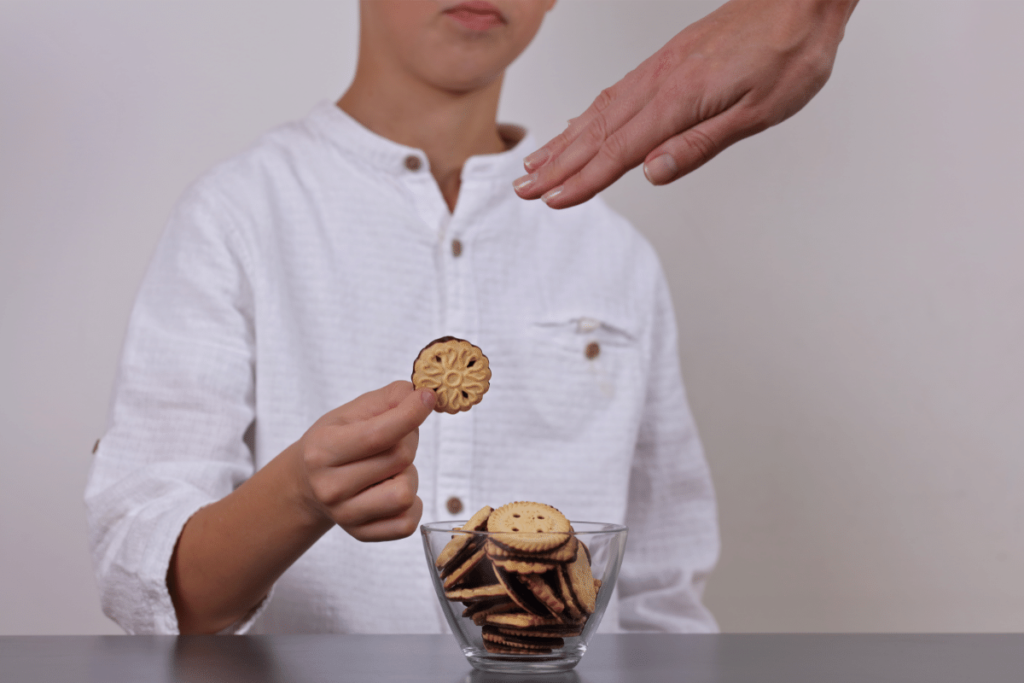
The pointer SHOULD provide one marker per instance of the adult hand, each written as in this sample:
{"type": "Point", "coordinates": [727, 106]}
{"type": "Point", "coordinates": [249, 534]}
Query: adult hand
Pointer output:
{"type": "Point", "coordinates": [358, 462]}
{"type": "Point", "coordinates": [747, 66]}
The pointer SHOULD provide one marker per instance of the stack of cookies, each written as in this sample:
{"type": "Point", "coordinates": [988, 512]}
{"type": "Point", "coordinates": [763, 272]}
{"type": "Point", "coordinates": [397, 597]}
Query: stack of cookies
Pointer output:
{"type": "Point", "coordinates": [527, 582]}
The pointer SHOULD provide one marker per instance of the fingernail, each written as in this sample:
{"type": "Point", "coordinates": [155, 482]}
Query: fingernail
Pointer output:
{"type": "Point", "coordinates": [428, 397]}
{"type": "Point", "coordinates": [660, 170]}
{"type": "Point", "coordinates": [551, 194]}
{"type": "Point", "coordinates": [536, 160]}
{"type": "Point", "coordinates": [524, 183]}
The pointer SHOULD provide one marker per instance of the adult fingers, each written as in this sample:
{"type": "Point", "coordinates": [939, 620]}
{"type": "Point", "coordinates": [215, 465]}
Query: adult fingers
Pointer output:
{"type": "Point", "coordinates": [384, 500]}
{"type": "Point", "coordinates": [694, 147]}
{"type": "Point", "coordinates": [400, 526]}
{"type": "Point", "coordinates": [556, 145]}
{"type": "Point", "coordinates": [673, 110]}
{"type": "Point", "coordinates": [615, 103]}
{"type": "Point", "coordinates": [569, 151]}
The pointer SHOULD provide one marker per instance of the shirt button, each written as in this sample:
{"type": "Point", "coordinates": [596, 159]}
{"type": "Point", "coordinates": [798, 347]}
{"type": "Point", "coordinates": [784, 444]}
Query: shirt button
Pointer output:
{"type": "Point", "coordinates": [593, 350]}
{"type": "Point", "coordinates": [456, 248]}
{"type": "Point", "coordinates": [454, 505]}
{"type": "Point", "coordinates": [413, 163]}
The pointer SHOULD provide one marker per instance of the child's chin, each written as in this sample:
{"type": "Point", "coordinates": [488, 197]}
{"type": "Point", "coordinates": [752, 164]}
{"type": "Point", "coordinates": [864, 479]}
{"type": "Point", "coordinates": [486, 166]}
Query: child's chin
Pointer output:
{"type": "Point", "coordinates": [465, 81]}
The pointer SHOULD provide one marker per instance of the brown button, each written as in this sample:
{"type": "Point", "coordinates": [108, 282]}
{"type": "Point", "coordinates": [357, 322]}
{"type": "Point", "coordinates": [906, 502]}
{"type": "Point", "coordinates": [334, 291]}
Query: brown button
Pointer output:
{"type": "Point", "coordinates": [456, 248]}
{"type": "Point", "coordinates": [413, 163]}
{"type": "Point", "coordinates": [593, 350]}
{"type": "Point", "coordinates": [454, 505]}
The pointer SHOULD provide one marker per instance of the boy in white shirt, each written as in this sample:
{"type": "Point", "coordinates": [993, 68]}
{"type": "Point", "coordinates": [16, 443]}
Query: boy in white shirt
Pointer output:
{"type": "Point", "coordinates": [313, 268]}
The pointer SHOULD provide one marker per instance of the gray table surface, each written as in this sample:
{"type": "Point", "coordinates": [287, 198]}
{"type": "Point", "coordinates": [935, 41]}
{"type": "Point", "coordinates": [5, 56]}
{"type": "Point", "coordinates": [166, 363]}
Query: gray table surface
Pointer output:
{"type": "Point", "coordinates": [997, 658]}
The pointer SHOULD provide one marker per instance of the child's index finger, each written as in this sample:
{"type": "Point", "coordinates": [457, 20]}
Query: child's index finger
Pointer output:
{"type": "Point", "coordinates": [372, 403]}
{"type": "Point", "coordinates": [385, 429]}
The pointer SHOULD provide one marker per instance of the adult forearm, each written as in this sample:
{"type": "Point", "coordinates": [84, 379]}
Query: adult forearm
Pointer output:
{"type": "Point", "coordinates": [230, 553]}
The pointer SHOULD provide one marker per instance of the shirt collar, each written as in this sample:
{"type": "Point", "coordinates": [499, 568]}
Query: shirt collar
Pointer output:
{"type": "Point", "coordinates": [391, 157]}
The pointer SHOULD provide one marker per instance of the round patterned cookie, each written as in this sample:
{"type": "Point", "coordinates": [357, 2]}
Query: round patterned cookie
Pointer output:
{"type": "Point", "coordinates": [458, 372]}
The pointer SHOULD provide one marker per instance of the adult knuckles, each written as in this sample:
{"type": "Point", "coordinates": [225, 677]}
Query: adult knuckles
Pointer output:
{"type": "Point", "coordinates": [660, 65]}
{"type": "Point", "coordinates": [604, 100]}
{"type": "Point", "coordinates": [618, 152]}
{"type": "Point", "coordinates": [699, 146]}
{"type": "Point", "coordinates": [558, 143]}
{"type": "Point", "coordinates": [596, 132]}
{"type": "Point", "coordinates": [816, 68]}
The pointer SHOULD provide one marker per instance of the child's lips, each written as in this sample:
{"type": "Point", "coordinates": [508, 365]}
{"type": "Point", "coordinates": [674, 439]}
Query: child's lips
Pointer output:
{"type": "Point", "coordinates": [476, 15]}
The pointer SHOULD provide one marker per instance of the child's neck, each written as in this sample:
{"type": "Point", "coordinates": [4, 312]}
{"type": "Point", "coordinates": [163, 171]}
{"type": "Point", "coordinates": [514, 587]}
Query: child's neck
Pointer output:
{"type": "Point", "coordinates": [449, 127]}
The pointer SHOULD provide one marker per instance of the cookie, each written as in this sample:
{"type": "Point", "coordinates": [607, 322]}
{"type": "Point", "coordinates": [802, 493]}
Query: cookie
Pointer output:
{"type": "Point", "coordinates": [566, 594]}
{"type": "Point", "coordinates": [473, 594]}
{"type": "Point", "coordinates": [529, 527]}
{"type": "Point", "coordinates": [543, 592]}
{"type": "Point", "coordinates": [458, 372]}
{"type": "Point", "coordinates": [567, 631]}
{"type": "Point", "coordinates": [561, 555]}
{"type": "Point", "coordinates": [464, 569]}
{"type": "Point", "coordinates": [479, 616]}
{"type": "Point", "coordinates": [497, 649]}
{"type": "Point", "coordinates": [522, 595]}
{"type": "Point", "coordinates": [448, 555]}
{"type": "Point", "coordinates": [481, 605]}
{"type": "Point", "coordinates": [522, 621]}
{"type": "Point", "coordinates": [581, 582]}
{"type": "Point", "coordinates": [522, 567]}
{"type": "Point", "coordinates": [528, 642]}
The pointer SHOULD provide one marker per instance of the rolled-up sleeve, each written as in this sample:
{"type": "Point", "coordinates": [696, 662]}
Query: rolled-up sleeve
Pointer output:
{"type": "Point", "coordinates": [183, 401]}
{"type": "Point", "coordinates": [672, 517]}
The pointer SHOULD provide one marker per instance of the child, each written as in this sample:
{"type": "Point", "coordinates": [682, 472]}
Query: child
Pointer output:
{"type": "Point", "coordinates": [314, 267]}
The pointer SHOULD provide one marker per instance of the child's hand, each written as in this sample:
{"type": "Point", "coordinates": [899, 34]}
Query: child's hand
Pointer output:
{"type": "Point", "coordinates": [352, 468]}
{"type": "Point", "coordinates": [357, 462]}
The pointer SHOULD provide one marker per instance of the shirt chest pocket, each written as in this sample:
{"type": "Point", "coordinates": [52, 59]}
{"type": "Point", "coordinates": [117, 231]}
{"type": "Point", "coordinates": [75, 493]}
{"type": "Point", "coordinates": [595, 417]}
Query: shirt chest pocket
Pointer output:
{"type": "Point", "coordinates": [581, 369]}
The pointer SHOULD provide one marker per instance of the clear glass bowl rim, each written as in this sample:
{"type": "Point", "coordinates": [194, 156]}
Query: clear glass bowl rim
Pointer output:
{"type": "Point", "coordinates": [447, 527]}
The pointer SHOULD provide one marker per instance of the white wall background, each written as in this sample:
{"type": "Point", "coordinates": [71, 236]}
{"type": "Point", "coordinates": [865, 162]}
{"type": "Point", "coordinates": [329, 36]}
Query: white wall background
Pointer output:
{"type": "Point", "coordinates": [849, 284]}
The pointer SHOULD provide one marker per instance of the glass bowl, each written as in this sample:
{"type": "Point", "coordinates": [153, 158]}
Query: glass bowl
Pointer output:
{"type": "Point", "coordinates": [517, 613]}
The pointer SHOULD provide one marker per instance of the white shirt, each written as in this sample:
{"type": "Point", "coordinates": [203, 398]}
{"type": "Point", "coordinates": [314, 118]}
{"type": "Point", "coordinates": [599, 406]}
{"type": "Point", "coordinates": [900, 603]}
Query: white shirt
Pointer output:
{"type": "Point", "coordinates": [312, 269]}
